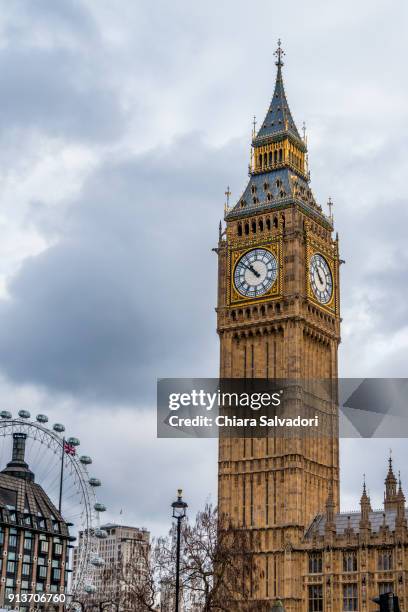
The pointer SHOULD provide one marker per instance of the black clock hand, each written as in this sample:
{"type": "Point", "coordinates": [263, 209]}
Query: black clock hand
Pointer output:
{"type": "Point", "coordinates": [318, 274]}
{"type": "Point", "coordinates": [252, 269]}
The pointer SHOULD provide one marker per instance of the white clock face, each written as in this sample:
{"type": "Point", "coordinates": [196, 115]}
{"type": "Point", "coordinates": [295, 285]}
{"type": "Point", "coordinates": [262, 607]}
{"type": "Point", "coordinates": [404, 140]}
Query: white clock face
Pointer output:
{"type": "Point", "coordinates": [255, 273]}
{"type": "Point", "coordinates": [321, 278]}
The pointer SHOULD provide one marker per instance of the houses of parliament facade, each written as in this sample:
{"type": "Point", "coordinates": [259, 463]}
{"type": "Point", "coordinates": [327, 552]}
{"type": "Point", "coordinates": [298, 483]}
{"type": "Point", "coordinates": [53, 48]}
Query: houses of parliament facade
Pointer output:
{"type": "Point", "coordinates": [278, 317]}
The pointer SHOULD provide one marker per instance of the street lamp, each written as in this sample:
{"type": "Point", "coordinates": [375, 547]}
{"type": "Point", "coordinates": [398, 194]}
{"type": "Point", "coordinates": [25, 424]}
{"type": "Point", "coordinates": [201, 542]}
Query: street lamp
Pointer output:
{"type": "Point", "coordinates": [179, 512]}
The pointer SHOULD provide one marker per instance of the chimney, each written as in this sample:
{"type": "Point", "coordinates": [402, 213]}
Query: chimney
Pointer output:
{"type": "Point", "coordinates": [17, 467]}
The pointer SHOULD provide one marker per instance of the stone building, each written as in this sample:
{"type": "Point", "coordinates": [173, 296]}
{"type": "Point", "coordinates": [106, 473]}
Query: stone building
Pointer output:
{"type": "Point", "coordinates": [122, 547]}
{"type": "Point", "coordinates": [278, 317]}
{"type": "Point", "coordinates": [353, 557]}
{"type": "Point", "coordinates": [34, 539]}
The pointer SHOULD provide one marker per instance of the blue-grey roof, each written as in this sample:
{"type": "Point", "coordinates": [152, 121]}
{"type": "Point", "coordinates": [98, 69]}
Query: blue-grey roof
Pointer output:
{"type": "Point", "coordinates": [283, 185]}
{"type": "Point", "coordinates": [278, 118]}
{"type": "Point", "coordinates": [343, 520]}
{"type": "Point", "coordinates": [276, 189]}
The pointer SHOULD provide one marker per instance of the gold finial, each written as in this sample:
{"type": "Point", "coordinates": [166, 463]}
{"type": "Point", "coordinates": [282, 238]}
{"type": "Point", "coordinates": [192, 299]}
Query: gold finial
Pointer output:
{"type": "Point", "coordinates": [304, 132]}
{"type": "Point", "coordinates": [279, 54]}
{"type": "Point", "coordinates": [254, 127]}
{"type": "Point", "coordinates": [330, 205]}
{"type": "Point", "coordinates": [227, 193]}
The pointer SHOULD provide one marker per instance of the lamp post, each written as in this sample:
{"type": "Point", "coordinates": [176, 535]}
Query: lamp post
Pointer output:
{"type": "Point", "coordinates": [179, 512]}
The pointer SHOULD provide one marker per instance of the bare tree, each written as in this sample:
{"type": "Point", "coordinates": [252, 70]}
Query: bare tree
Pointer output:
{"type": "Point", "coordinates": [217, 571]}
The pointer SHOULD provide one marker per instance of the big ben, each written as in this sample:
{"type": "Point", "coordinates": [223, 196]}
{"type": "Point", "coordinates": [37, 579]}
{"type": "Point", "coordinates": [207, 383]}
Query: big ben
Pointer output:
{"type": "Point", "coordinates": [278, 317]}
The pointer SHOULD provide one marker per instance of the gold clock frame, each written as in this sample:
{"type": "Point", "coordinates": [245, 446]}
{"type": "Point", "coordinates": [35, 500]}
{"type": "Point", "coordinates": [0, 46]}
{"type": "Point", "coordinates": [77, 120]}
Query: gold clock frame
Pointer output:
{"type": "Point", "coordinates": [234, 298]}
{"type": "Point", "coordinates": [314, 247]}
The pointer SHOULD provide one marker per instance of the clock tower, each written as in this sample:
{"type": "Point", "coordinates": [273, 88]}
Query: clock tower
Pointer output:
{"type": "Point", "coordinates": [278, 318]}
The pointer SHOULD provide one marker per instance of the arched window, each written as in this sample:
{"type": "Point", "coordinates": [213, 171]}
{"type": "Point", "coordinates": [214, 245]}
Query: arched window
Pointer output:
{"type": "Point", "coordinates": [239, 229]}
{"type": "Point", "coordinates": [247, 228]}
{"type": "Point", "coordinates": [254, 227]}
{"type": "Point", "coordinates": [283, 220]}
{"type": "Point", "coordinates": [265, 159]}
{"type": "Point", "coordinates": [260, 225]}
{"type": "Point", "coordinates": [275, 157]}
{"type": "Point", "coordinates": [260, 161]}
{"type": "Point", "coordinates": [270, 158]}
{"type": "Point", "coordinates": [275, 221]}
{"type": "Point", "coordinates": [280, 155]}
{"type": "Point", "coordinates": [268, 224]}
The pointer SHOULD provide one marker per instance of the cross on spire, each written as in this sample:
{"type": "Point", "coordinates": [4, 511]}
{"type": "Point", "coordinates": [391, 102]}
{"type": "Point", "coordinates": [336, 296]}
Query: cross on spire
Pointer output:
{"type": "Point", "coordinates": [279, 53]}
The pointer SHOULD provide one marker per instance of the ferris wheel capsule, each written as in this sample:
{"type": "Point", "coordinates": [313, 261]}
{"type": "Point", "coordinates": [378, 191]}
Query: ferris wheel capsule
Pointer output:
{"type": "Point", "coordinates": [5, 414]}
{"type": "Point", "coordinates": [58, 427]}
{"type": "Point", "coordinates": [24, 414]}
{"type": "Point", "coordinates": [90, 588]}
{"type": "Point", "coordinates": [85, 460]}
{"type": "Point", "coordinates": [73, 441]}
{"type": "Point", "coordinates": [99, 507]}
{"type": "Point", "coordinates": [101, 534]}
{"type": "Point", "coordinates": [42, 418]}
{"type": "Point", "coordinates": [94, 482]}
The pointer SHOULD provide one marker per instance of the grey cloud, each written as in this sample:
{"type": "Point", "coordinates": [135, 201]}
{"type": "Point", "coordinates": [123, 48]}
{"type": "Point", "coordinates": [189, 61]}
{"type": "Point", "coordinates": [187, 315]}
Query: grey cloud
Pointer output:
{"type": "Point", "coordinates": [127, 294]}
{"type": "Point", "coordinates": [74, 103]}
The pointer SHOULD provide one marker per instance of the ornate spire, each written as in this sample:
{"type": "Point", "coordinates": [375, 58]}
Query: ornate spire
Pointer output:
{"type": "Point", "coordinates": [330, 507]}
{"type": "Point", "coordinates": [390, 499]}
{"type": "Point", "coordinates": [365, 504]}
{"type": "Point", "coordinates": [401, 520]}
{"type": "Point", "coordinates": [278, 119]}
{"type": "Point", "coordinates": [400, 493]}
{"type": "Point", "coordinates": [278, 169]}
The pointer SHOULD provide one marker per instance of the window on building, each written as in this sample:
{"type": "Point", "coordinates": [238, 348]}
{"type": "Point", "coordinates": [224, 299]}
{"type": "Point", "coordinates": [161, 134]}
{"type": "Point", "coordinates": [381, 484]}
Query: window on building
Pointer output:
{"type": "Point", "coordinates": [385, 587]}
{"type": "Point", "coordinates": [385, 560]}
{"type": "Point", "coordinates": [12, 540]}
{"type": "Point", "coordinates": [28, 544]}
{"type": "Point", "coordinates": [350, 597]}
{"type": "Point", "coordinates": [315, 563]}
{"type": "Point", "coordinates": [44, 547]}
{"type": "Point", "coordinates": [315, 598]}
{"type": "Point", "coordinates": [42, 571]}
{"type": "Point", "coordinates": [350, 561]}
{"type": "Point", "coordinates": [11, 567]}
{"type": "Point", "coordinates": [25, 570]}
{"type": "Point", "coordinates": [8, 592]}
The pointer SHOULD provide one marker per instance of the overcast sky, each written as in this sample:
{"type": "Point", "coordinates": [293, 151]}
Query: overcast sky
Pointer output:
{"type": "Point", "coordinates": [121, 124]}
